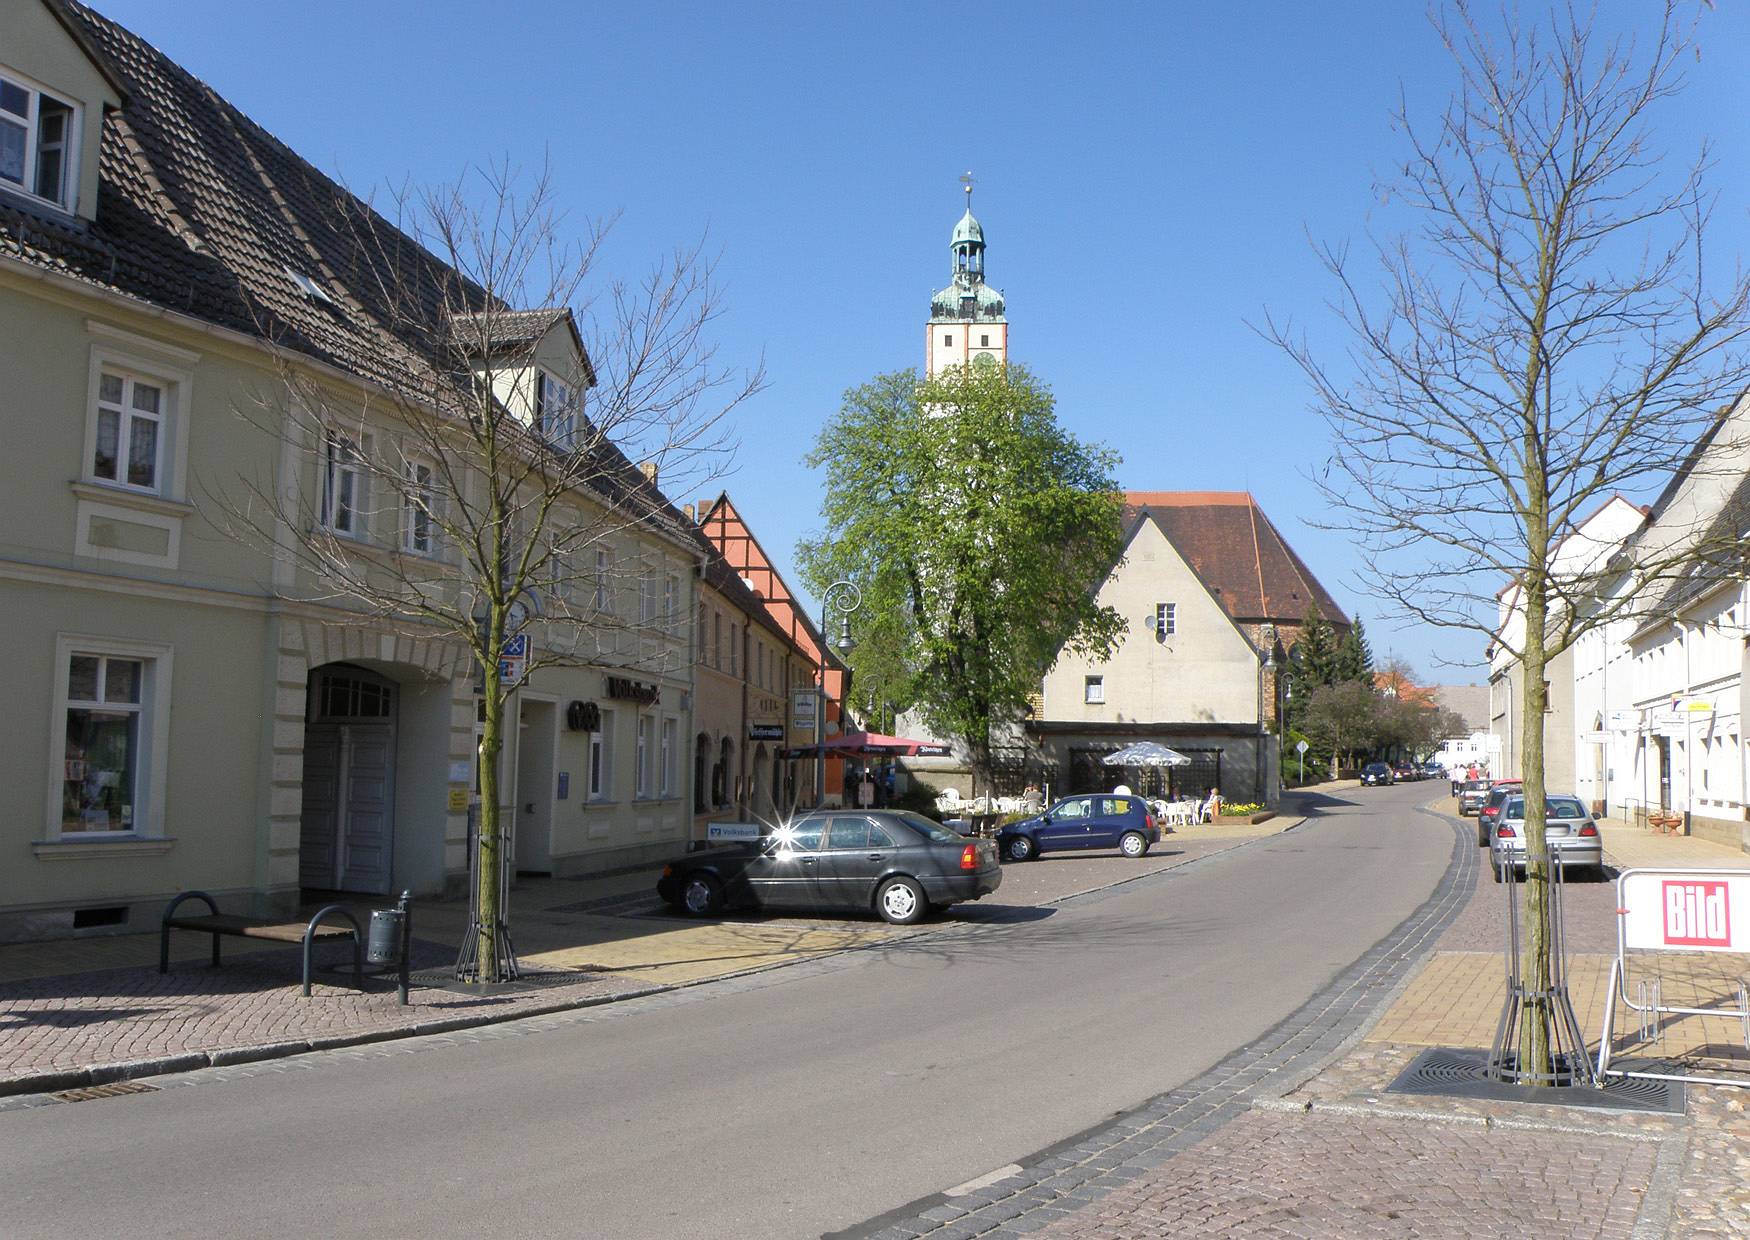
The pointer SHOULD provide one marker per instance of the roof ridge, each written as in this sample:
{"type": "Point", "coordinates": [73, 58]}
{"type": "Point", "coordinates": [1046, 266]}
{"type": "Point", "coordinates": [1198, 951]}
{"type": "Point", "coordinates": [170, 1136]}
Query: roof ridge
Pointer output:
{"type": "Point", "coordinates": [1258, 554]}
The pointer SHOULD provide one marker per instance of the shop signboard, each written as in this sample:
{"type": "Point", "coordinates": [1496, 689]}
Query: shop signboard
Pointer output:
{"type": "Point", "coordinates": [726, 832]}
{"type": "Point", "coordinates": [802, 709]}
{"type": "Point", "coordinates": [1702, 911]}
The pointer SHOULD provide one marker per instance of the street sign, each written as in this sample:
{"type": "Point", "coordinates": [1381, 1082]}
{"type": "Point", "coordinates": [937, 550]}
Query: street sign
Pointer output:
{"type": "Point", "coordinates": [513, 659]}
{"type": "Point", "coordinates": [803, 709]}
{"type": "Point", "coordinates": [1301, 747]}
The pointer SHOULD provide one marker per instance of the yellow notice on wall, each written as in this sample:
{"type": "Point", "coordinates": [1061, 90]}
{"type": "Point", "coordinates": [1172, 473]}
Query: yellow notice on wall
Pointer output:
{"type": "Point", "coordinates": [458, 800]}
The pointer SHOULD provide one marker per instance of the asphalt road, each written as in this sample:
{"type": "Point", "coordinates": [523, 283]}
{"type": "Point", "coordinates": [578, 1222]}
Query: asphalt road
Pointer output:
{"type": "Point", "coordinates": [785, 1104]}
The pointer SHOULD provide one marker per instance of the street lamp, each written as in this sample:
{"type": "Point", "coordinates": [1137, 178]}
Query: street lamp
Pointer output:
{"type": "Point", "coordinates": [843, 597]}
{"type": "Point", "coordinates": [1267, 664]}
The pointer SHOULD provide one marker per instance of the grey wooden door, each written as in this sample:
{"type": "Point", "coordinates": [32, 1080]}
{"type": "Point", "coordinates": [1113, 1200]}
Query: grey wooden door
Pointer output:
{"type": "Point", "coordinates": [367, 826]}
{"type": "Point", "coordinates": [349, 807]}
{"type": "Point", "coordinates": [319, 844]}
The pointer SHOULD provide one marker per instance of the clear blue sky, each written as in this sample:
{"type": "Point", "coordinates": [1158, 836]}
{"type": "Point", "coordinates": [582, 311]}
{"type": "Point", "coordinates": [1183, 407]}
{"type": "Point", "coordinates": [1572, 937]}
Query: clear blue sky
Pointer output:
{"type": "Point", "coordinates": [1148, 176]}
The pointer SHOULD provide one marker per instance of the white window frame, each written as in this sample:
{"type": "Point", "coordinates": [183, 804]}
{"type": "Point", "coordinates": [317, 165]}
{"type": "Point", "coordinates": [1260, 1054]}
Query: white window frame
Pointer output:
{"type": "Point", "coordinates": [332, 470]}
{"type": "Point", "coordinates": [31, 122]}
{"type": "Point", "coordinates": [559, 576]}
{"type": "Point", "coordinates": [1094, 690]}
{"type": "Point", "coordinates": [168, 368]}
{"type": "Point", "coordinates": [603, 601]}
{"type": "Point", "coordinates": [156, 661]}
{"type": "Point", "coordinates": [734, 650]}
{"type": "Point", "coordinates": [671, 594]}
{"type": "Point", "coordinates": [668, 735]}
{"type": "Point", "coordinates": [641, 770]}
{"type": "Point", "coordinates": [1166, 619]}
{"type": "Point", "coordinates": [417, 504]}
{"type": "Point", "coordinates": [559, 430]}
{"type": "Point", "coordinates": [600, 772]}
{"type": "Point", "coordinates": [647, 599]}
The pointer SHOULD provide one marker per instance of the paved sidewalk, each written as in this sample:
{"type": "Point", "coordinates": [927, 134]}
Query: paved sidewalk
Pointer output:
{"type": "Point", "coordinates": [84, 1011]}
{"type": "Point", "coordinates": [1262, 1147]}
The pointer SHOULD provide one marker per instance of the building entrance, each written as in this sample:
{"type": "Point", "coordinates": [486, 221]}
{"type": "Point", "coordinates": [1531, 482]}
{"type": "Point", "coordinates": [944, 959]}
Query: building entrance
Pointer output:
{"type": "Point", "coordinates": [347, 840]}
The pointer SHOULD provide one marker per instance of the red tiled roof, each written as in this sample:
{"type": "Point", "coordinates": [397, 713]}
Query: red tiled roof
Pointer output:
{"type": "Point", "coordinates": [1241, 558]}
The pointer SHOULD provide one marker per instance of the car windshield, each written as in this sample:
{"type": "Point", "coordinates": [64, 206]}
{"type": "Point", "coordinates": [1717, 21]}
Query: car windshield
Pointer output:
{"type": "Point", "coordinates": [1554, 807]}
{"type": "Point", "coordinates": [935, 832]}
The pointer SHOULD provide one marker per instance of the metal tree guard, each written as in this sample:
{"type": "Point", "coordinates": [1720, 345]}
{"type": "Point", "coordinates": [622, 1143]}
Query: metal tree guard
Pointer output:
{"type": "Point", "coordinates": [505, 967]}
{"type": "Point", "coordinates": [1570, 1064]}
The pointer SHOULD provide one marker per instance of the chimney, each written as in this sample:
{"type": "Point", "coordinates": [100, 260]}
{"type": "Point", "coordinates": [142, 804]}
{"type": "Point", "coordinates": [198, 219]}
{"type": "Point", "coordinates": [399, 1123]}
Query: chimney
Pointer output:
{"type": "Point", "coordinates": [687, 511]}
{"type": "Point", "coordinates": [702, 507]}
{"type": "Point", "coordinates": [648, 469]}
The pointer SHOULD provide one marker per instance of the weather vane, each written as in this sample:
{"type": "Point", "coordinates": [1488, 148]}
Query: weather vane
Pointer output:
{"type": "Point", "coordinates": [966, 180]}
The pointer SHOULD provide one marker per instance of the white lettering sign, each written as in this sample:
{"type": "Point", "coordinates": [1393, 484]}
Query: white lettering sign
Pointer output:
{"type": "Point", "coordinates": [1674, 910]}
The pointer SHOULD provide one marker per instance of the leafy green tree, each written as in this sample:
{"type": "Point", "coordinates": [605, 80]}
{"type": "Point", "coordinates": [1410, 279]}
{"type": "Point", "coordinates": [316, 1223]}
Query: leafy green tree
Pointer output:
{"type": "Point", "coordinates": [1343, 719]}
{"type": "Point", "coordinates": [1353, 659]}
{"type": "Point", "coordinates": [977, 529]}
{"type": "Point", "coordinates": [1310, 663]}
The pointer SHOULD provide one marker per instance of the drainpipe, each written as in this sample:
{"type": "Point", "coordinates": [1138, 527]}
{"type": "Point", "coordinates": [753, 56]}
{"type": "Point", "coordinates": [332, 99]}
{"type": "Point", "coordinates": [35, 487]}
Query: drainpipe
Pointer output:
{"type": "Point", "coordinates": [1688, 729]}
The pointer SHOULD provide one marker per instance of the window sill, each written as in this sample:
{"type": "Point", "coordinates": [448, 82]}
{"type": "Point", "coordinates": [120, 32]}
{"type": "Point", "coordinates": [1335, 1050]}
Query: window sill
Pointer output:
{"type": "Point", "coordinates": [128, 846]}
{"type": "Point", "coordinates": [128, 497]}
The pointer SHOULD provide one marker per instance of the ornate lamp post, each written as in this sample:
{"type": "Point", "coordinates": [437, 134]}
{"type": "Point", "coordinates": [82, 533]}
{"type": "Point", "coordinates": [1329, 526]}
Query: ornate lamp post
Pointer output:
{"type": "Point", "coordinates": [843, 597]}
{"type": "Point", "coordinates": [1266, 664]}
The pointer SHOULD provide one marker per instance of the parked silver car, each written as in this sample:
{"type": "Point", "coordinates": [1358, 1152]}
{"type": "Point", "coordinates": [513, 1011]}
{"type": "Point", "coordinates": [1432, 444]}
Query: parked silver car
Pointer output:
{"type": "Point", "coordinates": [1569, 830]}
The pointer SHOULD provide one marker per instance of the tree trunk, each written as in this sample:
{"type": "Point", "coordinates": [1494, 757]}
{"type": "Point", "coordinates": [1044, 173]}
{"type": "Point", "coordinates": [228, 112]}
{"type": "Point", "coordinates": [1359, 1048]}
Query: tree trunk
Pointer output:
{"type": "Point", "coordinates": [1537, 1017]}
{"type": "Point", "coordinates": [489, 856]}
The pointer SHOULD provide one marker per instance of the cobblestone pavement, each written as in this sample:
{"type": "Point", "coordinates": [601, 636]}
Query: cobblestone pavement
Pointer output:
{"type": "Point", "coordinates": [1269, 1174]}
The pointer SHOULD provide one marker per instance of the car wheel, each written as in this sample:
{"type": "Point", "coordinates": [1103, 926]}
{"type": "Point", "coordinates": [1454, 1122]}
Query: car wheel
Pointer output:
{"type": "Point", "coordinates": [1482, 834]}
{"type": "Point", "coordinates": [901, 902]}
{"type": "Point", "coordinates": [701, 896]}
{"type": "Point", "coordinates": [1133, 844]}
{"type": "Point", "coordinates": [1018, 848]}
{"type": "Point", "coordinates": [1496, 866]}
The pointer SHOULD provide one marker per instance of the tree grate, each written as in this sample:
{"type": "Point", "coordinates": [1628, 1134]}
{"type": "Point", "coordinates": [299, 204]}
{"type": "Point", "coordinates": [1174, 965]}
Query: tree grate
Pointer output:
{"type": "Point", "coordinates": [1463, 1072]}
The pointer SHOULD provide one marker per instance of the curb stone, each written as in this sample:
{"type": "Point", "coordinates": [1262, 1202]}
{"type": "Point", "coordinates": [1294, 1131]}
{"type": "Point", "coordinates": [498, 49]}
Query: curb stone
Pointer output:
{"type": "Point", "coordinates": [34, 1088]}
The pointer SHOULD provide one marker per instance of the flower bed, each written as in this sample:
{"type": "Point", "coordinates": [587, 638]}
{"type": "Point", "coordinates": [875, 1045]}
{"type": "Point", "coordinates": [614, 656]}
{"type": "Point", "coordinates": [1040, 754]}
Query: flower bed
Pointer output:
{"type": "Point", "coordinates": [1236, 815]}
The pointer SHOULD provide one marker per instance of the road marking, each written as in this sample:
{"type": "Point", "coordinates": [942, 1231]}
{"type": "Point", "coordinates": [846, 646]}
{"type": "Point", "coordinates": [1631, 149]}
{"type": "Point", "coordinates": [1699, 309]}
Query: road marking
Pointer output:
{"type": "Point", "coordinates": [983, 1181]}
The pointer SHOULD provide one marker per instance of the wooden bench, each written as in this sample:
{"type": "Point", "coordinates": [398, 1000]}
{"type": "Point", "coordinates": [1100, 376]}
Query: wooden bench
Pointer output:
{"type": "Point", "coordinates": [219, 924]}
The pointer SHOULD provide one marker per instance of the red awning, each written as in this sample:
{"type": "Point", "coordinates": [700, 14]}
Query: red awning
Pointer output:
{"type": "Point", "coordinates": [872, 744]}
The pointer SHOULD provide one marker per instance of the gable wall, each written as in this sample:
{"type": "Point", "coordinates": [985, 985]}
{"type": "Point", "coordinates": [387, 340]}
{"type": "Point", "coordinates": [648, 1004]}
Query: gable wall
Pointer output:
{"type": "Point", "coordinates": [1205, 672]}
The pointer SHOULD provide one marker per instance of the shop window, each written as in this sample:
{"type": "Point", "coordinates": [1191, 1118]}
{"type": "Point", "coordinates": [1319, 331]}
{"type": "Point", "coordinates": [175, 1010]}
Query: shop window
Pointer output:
{"type": "Point", "coordinates": [601, 759]}
{"type": "Point", "coordinates": [112, 715]}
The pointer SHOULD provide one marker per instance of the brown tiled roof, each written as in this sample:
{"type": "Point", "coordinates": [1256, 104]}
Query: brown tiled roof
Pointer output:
{"type": "Point", "coordinates": [1241, 558]}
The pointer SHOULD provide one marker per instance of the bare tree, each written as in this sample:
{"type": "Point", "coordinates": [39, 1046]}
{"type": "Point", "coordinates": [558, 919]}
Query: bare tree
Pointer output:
{"type": "Point", "coordinates": [511, 486]}
{"type": "Point", "coordinates": [1549, 332]}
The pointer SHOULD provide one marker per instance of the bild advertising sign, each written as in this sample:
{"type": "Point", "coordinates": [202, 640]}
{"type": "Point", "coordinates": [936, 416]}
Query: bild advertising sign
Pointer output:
{"type": "Point", "coordinates": [1669, 910]}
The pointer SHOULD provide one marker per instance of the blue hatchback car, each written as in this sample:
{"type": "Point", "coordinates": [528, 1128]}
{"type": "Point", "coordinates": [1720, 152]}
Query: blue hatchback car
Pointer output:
{"type": "Point", "coordinates": [1100, 820]}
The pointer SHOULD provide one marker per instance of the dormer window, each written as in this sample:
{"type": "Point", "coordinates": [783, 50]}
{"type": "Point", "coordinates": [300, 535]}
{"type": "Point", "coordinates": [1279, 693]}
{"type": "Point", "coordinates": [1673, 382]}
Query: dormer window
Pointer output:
{"type": "Point", "coordinates": [36, 141]}
{"type": "Point", "coordinates": [555, 411]}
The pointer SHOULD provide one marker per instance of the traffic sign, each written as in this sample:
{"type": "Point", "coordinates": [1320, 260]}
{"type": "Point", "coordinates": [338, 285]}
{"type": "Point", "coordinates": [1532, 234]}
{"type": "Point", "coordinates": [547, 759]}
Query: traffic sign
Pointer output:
{"type": "Point", "coordinates": [1301, 747]}
{"type": "Point", "coordinates": [513, 659]}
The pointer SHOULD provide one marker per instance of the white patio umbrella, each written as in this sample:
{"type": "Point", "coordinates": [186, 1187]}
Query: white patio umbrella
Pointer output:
{"type": "Point", "coordinates": [1146, 754]}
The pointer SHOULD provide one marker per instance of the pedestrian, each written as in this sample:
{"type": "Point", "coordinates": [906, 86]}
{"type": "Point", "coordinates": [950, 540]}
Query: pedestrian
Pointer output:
{"type": "Point", "coordinates": [868, 789]}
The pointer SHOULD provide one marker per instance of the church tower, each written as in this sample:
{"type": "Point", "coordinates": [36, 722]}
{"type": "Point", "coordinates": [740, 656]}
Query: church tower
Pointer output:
{"type": "Point", "coordinates": [967, 325]}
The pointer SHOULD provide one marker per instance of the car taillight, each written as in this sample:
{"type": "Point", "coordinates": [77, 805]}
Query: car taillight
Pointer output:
{"type": "Point", "coordinates": [1589, 829]}
{"type": "Point", "coordinates": [1148, 820]}
{"type": "Point", "coordinates": [969, 857]}
{"type": "Point", "coordinates": [1504, 831]}
{"type": "Point", "coordinates": [668, 871]}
